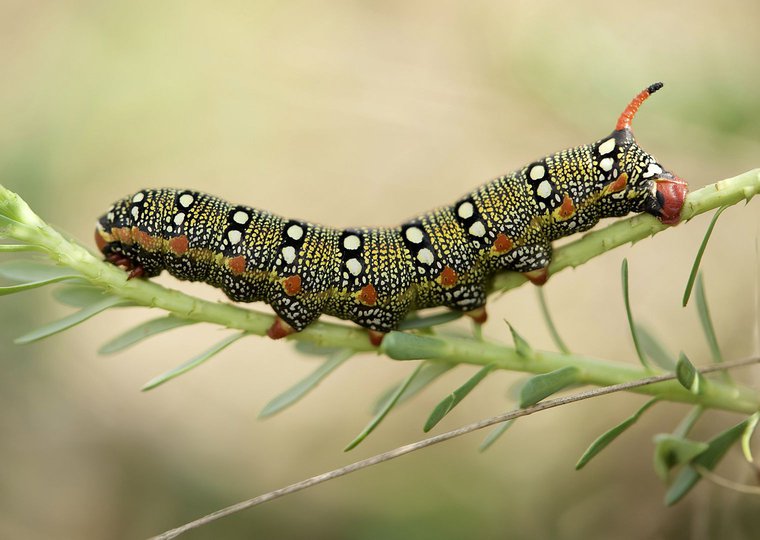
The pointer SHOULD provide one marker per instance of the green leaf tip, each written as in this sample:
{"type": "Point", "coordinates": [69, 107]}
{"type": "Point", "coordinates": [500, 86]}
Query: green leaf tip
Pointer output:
{"type": "Point", "coordinates": [430, 372]}
{"type": "Point", "coordinates": [558, 341]}
{"type": "Point", "coordinates": [700, 253]}
{"type": "Point", "coordinates": [747, 436]}
{"type": "Point", "coordinates": [542, 386]}
{"type": "Point", "coordinates": [522, 347]}
{"type": "Point", "coordinates": [304, 386]}
{"type": "Point", "coordinates": [601, 442]}
{"type": "Point", "coordinates": [629, 314]}
{"type": "Point", "coordinates": [453, 399]}
{"type": "Point", "coordinates": [72, 320]}
{"type": "Point", "coordinates": [193, 362]}
{"type": "Point", "coordinates": [688, 375]}
{"type": "Point", "coordinates": [495, 435]}
{"type": "Point", "coordinates": [392, 400]}
{"type": "Point", "coordinates": [143, 331]}
{"type": "Point", "coordinates": [688, 476]}
{"type": "Point", "coordinates": [670, 451]}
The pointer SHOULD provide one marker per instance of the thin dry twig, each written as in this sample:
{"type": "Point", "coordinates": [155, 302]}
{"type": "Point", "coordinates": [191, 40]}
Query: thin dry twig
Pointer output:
{"type": "Point", "coordinates": [424, 443]}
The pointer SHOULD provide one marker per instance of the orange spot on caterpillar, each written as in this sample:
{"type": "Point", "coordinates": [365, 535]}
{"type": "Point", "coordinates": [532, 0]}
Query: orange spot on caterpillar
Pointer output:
{"type": "Point", "coordinates": [502, 243]}
{"type": "Point", "coordinates": [619, 184]}
{"type": "Point", "coordinates": [179, 245]}
{"type": "Point", "coordinates": [367, 295]}
{"type": "Point", "coordinates": [292, 285]}
{"type": "Point", "coordinates": [279, 329]}
{"type": "Point", "coordinates": [99, 240]}
{"type": "Point", "coordinates": [567, 208]}
{"type": "Point", "coordinates": [123, 235]}
{"type": "Point", "coordinates": [237, 264]}
{"type": "Point", "coordinates": [537, 277]}
{"type": "Point", "coordinates": [146, 241]}
{"type": "Point", "coordinates": [448, 277]}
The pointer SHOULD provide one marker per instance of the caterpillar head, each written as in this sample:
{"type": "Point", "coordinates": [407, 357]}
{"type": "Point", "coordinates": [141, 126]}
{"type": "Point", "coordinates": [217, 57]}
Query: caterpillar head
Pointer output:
{"type": "Point", "coordinates": [637, 176]}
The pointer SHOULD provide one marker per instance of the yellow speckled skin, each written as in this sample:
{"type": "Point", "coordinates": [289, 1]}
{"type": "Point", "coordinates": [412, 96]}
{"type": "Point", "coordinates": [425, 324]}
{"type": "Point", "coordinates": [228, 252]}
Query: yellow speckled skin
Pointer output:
{"type": "Point", "coordinates": [374, 277]}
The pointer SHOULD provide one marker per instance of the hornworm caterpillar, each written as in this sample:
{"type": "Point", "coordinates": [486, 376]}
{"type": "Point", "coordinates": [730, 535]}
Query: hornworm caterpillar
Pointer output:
{"type": "Point", "coordinates": [375, 276]}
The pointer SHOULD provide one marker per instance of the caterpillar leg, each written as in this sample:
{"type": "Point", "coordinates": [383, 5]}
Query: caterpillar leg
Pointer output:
{"type": "Point", "coordinates": [375, 337]}
{"type": "Point", "coordinates": [537, 277]}
{"type": "Point", "coordinates": [478, 315]}
{"type": "Point", "coordinates": [280, 329]}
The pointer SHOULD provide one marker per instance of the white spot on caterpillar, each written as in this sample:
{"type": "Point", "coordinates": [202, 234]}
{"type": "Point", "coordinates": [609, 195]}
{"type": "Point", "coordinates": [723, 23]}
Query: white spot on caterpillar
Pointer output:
{"type": "Point", "coordinates": [288, 253]}
{"type": "Point", "coordinates": [606, 147]}
{"type": "Point", "coordinates": [138, 197]}
{"type": "Point", "coordinates": [295, 232]}
{"type": "Point", "coordinates": [354, 266]}
{"type": "Point", "coordinates": [465, 210]}
{"type": "Point", "coordinates": [537, 172]}
{"type": "Point", "coordinates": [234, 236]}
{"type": "Point", "coordinates": [544, 189]}
{"type": "Point", "coordinates": [652, 170]}
{"type": "Point", "coordinates": [110, 216]}
{"type": "Point", "coordinates": [425, 256]}
{"type": "Point", "coordinates": [414, 235]}
{"type": "Point", "coordinates": [169, 228]}
{"type": "Point", "coordinates": [186, 200]}
{"type": "Point", "coordinates": [135, 212]}
{"type": "Point", "coordinates": [351, 242]}
{"type": "Point", "coordinates": [477, 229]}
{"type": "Point", "coordinates": [241, 217]}
{"type": "Point", "coordinates": [606, 164]}
{"type": "Point", "coordinates": [179, 219]}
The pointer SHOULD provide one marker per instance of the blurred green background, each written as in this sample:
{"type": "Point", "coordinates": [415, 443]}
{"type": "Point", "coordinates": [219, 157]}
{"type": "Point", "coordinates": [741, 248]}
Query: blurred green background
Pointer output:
{"type": "Point", "coordinates": [348, 113]}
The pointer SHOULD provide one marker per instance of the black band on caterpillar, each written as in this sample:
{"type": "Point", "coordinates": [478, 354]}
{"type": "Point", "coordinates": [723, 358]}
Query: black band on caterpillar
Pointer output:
{"type": "Point", "coordinates": [374, 277]}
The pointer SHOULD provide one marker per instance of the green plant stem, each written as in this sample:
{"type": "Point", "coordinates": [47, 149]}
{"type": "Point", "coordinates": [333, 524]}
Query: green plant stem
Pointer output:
{"type": "Point", "coordinates": [19, 222]}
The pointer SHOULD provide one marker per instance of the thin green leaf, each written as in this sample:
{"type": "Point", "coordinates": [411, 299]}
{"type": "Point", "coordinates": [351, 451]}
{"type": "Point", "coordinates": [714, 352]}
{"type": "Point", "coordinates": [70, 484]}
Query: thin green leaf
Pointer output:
{"type": "Point", "coordinates": [700, 252]}
{"type": "Point", "coordinates": [32, 285]}
{"type": "Point", "coordinates": [610, 435]}
{"type": "Point", "coordinates": [688, 375]}
{"type": "Point", "coordinates": [671, 451]}
{"type": "Point", "coordinates": [403, 346]}
{"type": "Point", "coordinates": [494, 435]}
{"type": "Point", "coordinates": [654, 349]}
{"type": "Point", "coordinates": [452, 400]}
{"type": "Point", "coordinates": [309, 348]}
{"type": "Point", "coordinates": [430, 372]}
{"type": "Point", "coordinates": [193, 362]}
{"type": "Point", "coordinates": [549, 322]}
{"type": "Point", "coordinates": [522, 347]}
{"type": "Point", "coordinates": [143, 331]}
{"type": "Point", "coordinates": [23, 271]}
{"type": "Point", "coordinates": [72, 320]}
{"type": "Point", "coordinates": [747, 436]}
{"type": "Point", "coordinates": [12, 248]}
{"type": "Point", "coordinates": [689, 476]}
{"type": "Point", "coordinates": [629, 314]}
{"type": "Point", "coordinates": [392, 400]}
{"type": "Point", "coordinates": [541, 386]}
{"type": "Point", "coordinates": [432, 320]}
{"type": "Point", "coordinates": [304, 386]}
{"type": "Point", "coordinates": [686, 425]}
{"type": "Point", "coordinates": [79, 295]}
{"type": "Point", "coordinates": [706, 320]}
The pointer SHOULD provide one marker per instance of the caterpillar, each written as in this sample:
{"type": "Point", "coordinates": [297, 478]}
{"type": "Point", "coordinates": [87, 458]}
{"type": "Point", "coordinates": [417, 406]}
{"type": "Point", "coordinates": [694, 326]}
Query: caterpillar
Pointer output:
{"type": "Point", "coordinates": [375, 276]}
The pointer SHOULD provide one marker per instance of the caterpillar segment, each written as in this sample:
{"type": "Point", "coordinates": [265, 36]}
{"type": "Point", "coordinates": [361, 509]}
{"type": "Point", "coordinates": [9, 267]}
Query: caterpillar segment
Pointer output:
{"type": "Point", "coordinates": [376, 276]}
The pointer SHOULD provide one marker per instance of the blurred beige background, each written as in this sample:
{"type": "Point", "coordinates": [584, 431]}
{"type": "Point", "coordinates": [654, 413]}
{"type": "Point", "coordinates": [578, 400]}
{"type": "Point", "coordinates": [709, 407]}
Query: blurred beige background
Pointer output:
{"type": "Point", "coordinates": [353, 113]}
